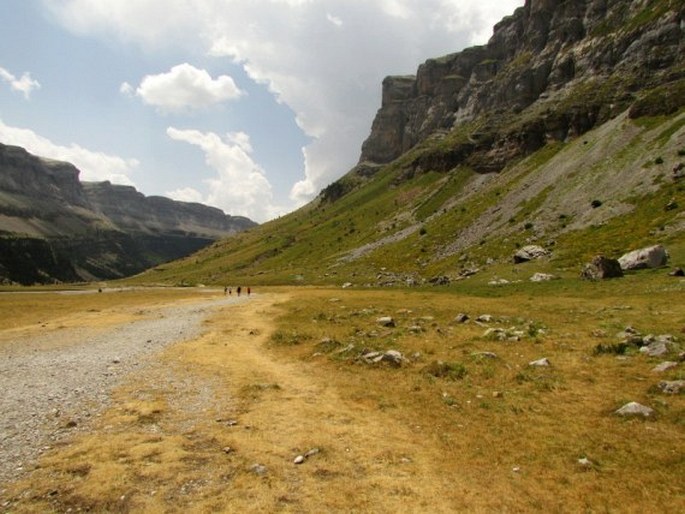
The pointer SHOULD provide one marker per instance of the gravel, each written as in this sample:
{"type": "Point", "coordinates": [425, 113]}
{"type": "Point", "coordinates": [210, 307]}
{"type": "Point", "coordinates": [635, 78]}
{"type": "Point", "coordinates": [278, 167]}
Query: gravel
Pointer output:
{"type": "Point", "coordinates": [55, 383]}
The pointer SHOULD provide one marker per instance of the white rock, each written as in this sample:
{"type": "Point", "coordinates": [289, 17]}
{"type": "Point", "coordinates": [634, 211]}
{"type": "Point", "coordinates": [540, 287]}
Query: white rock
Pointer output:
{"type": "Point", "coordinates": [543, 277]}
{"type": "Point", "coordinates": [386, 321]}
{"type": "Point", "coordinates": [664, 366]}
{"type": "Point", "coordinates": [650, 257]}
{"type": "Point", "coordinates": [299, 459]}
{"type": "Point", "coordinates": [542, 363]}
{"type": "Point", "coordinates": [635, 409]}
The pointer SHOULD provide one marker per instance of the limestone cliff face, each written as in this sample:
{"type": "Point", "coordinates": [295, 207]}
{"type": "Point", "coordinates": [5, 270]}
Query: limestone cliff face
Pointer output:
{"type": "Point", "coordinates": [552, 70]}
{"type": "Point", "coordinates": [132, 211]}
{"type": "Point", "coordinates": [55, 228]}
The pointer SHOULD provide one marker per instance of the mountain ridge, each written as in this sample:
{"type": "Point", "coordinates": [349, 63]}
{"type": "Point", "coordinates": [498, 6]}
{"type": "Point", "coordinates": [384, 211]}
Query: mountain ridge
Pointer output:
{"type": "Point", "coordinates": [55, 228]}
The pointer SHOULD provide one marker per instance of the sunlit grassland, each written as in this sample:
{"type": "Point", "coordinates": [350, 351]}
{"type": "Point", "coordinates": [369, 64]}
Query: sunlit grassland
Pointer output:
{"type": "Point", "coordinates": [524, 428]}
{"type": "Point", "coordinates": [463, 424]}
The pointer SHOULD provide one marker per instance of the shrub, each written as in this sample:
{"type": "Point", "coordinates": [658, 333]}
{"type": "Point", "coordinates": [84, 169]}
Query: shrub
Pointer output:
{"type": "Point", "coordinates": [596, 203]}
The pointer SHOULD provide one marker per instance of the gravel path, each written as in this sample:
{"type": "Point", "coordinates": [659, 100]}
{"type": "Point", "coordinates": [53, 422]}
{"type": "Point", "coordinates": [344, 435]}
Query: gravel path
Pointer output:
{"type": "Point", "coordinates": [48, 394]}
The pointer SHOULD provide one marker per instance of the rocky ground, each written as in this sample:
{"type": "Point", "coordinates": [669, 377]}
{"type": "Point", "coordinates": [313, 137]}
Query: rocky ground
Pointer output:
{"type": "Point", "coordinates": [54, 383]}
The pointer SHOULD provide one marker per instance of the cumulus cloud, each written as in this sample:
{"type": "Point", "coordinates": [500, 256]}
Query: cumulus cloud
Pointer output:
{"type": "Point", "coordinates": [240, 186]}
{"type": "Point", "coordinates": [94, 166]}
{"type": "Point", "coordinates": [328, 72]}
{"type": "Point", "coordinates": [184, 88]}
{"type": "Point", "coordinates": [24, 84]}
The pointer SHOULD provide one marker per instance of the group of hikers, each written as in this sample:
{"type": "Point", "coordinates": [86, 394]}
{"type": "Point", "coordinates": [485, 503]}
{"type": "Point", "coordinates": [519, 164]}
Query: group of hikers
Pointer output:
{"type": "Point", "coordinates": [238, 290]}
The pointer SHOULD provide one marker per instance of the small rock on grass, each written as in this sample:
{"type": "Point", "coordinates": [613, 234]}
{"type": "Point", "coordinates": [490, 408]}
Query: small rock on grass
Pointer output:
{"type": "Point", "coordinates": [664, 366]}
{"type": "Point", "coordinates": [540, 363]}
{"type": "Point", "coordinates": [634, 409]}
{"type": "Point", "coordinates": [300, 459]}
{"type": "Point", "coordinates": [258, 469]}
{"type": "Point", "coordinates": [672, 386]}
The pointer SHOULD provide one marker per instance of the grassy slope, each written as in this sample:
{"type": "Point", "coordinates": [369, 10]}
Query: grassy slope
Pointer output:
{"type": "Point", "coordinates": [463, 219]}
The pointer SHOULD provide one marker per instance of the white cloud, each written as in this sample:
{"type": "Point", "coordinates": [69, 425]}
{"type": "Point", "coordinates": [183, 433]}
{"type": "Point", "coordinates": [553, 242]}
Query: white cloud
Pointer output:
{"type": "Point", "coordinates": [331, 79]}
{"type": "Point", "coordinates": [184, 88]}
{"type": "Point", "coordinates": [240, 186]}
{"type": "Point", "coordinates": [334, 20]}
{"type": "Point", "coordinates": [24, 84]}
{"type": "Point", "coordinates": [186, 194]}
{"type": "Point", "coordinates": [94, 166]}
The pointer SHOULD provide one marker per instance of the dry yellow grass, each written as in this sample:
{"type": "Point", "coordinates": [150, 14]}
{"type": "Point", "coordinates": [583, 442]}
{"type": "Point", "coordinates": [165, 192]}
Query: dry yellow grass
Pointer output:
{"type": "Point", "coordinates": [260, 387]}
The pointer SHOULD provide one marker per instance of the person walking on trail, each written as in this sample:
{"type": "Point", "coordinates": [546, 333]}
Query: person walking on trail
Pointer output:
{"type": "Point", "coordinates": [238, 290]}
{"type": "Point", "coordinates": [248, 291]}
{"type": "Point", "coordinates": [225, 290]}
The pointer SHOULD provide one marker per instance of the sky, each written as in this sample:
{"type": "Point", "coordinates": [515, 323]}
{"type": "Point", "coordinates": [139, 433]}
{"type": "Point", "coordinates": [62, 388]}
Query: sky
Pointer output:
{"type": "Point", "coordinates": [251, 106]}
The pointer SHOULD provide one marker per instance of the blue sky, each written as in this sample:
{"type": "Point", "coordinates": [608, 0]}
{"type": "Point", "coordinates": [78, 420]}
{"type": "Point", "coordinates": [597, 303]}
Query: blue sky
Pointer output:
{"type": "Point", "coordinates": [252, 106]}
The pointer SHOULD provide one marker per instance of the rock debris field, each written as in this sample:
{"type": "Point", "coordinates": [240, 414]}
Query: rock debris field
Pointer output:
{"type": "Point", "coordinates": [53, 383]}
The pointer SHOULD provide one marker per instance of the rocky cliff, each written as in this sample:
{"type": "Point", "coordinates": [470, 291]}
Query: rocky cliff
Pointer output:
{"type": "Point", "coordinates": [55, 228]}
{"type": "Point", "coordinates": [551, 71]}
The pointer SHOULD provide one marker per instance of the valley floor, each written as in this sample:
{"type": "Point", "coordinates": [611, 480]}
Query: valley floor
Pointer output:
{"type": "Point", "coordinates": [217, 421]}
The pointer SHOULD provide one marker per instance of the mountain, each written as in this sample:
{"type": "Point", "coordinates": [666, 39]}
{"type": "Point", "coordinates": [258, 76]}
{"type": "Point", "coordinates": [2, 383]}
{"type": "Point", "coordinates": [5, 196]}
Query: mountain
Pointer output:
{"type": "Point", "coordinates": [565, 131]}
{"type": "Point", "coordinates": [55, 228]}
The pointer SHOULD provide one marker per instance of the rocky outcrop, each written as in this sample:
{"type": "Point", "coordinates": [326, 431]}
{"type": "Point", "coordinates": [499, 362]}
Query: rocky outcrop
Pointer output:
{"type": "Point", "coordinates": [55, 228]}
{"type": "Point", "coordinates": [552, 70]}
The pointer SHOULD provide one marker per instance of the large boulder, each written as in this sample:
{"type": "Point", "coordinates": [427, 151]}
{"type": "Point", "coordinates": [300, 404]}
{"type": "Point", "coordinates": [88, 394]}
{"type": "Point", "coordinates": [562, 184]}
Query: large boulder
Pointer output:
{"type": "Point", "coordinates": [600, 268]}
{"type": "Point", "coordinates": [529, 253]}
{"type": "Point", "coordinates": [650, 257]}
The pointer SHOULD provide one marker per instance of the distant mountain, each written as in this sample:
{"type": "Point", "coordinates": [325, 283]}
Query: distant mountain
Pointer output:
{"type": "Point", "coordinates": [54, 228]}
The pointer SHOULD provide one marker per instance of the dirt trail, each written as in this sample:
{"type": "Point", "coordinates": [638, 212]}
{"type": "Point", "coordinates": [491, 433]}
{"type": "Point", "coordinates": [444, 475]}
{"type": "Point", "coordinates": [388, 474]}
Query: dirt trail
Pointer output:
{"type": "Point", "coordinates": [216, 425]}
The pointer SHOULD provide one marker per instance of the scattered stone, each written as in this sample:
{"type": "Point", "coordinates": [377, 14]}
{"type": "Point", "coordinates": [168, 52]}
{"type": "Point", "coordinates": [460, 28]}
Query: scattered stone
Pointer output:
{"type": "Point", "coordinates": [227, 450]}
{"type": "Point", "coordinates": [258, 469]}
{"type": "Point", "coordinates": [529, 253]}
{"type": "Point", "coordinates": [500, 334]}
{"type": "Point", "coordinates": [386, 321]}
{"type": "Point", "coordinates": [116, 360]}
{"type": "Point", "coordinates": [299, 459]}
{"type": "Point", "coordinates": [393, 357]}
{"type": "Point", "coordinates": [672, 386]}
{"type": "Point", "coordinates": [677, 272]}
{"type": "Point", "coordinates": [601, 268]}
{"type": "Point", "coordinates": [584, 462]}
{"type": "Point", "coordinates": [312, 452]}
{"type": "Point", "coordinates": [485, 355]}
{"type": "Point", "coordinates": [484, 318]}
{"type": "Point", "coordinates": [543, 277]}
{"type": "Point", "coordinates": [467, 272]}
{"type": "Point", "coordinates": [346, 349]}
{"type": "Point", "coordinates": [664, 366]}
{"type": "Point", "coordinates": [347, 285]}
{"type": "Point", "coordinates": [228, 422]}
{"type": "Point", "coordinates": [540, 363]}
{"type": "Point", "coordinates": [634, 409]}
{"type": "Point", "coordinates": [440, 280]}
{"type": "Point", "coordinates": [461, 318]}
{"type": "Point", "coordinates": [416, 329]}
{"type": "Point", "coordinates": [497, 394]}
{"type": "Point", "coordinates": [659, 346]}
{"type": "Point", "coordinates": [499, 282]}
{"type": "Point", "coordinates": [650, 257]}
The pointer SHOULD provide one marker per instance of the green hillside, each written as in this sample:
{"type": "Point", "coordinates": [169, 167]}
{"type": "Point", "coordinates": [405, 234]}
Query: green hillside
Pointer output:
{"type": "Point", "coordinates": [609, 191]}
